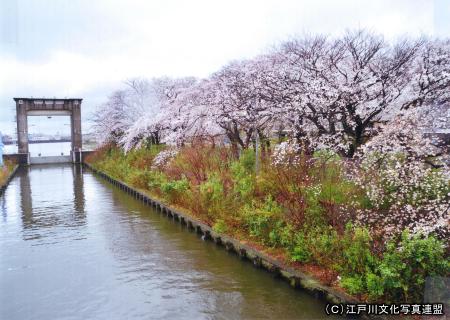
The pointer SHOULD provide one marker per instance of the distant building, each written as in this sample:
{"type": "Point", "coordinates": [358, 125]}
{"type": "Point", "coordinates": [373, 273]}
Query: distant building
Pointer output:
{"type": "Point", "coordinates": [437, 124]}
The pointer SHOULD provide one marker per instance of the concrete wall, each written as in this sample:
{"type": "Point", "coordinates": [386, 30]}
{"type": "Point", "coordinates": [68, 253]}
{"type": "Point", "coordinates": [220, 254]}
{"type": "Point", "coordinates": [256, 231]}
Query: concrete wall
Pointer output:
{"type": "Point", "coordinates": [22, 158]}
{"type": "Point", "coordinates": [53, 159]}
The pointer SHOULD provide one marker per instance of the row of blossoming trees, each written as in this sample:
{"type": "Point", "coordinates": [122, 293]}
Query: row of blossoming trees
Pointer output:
{"type": "Point", "coordinates": [357, 96]}
{"type": "Point", "coordinates": [351, 94]}
{"type": "Point", "coordinates": [331, 91]}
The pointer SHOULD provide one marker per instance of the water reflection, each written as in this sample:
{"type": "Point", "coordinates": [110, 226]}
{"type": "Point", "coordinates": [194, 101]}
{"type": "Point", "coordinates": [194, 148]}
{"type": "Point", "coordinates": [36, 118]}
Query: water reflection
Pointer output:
{"type": "Point", "coordinates": [74, 247]}
{"type": "Point", "coordinates": [78, 194]}
{"type": "Point", "coordinates": [57, 202]}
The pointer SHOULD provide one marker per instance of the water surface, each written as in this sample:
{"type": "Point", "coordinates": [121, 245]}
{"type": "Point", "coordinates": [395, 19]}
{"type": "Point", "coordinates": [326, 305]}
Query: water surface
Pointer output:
{"type": "Point", "coordinates": [73, 246]}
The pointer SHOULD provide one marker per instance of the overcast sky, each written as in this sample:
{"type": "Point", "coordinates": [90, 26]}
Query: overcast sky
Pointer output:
{"type": "Point", "coordinates": [86, 48]}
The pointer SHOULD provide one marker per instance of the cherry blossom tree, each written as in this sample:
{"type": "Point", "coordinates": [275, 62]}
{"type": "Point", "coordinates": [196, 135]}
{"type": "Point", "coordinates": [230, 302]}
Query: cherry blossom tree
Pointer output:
{"type": "Point", "coordinates": [399, 181]}
{"type": "Point", "coordinates": [123, 109]}
{"type": "Point", "coordinates": [343, 87]}
{"type": "Point", "coordinates": [305, 98]}
{"type": "Point", "coordinates": [110, 119]}
{"type": "Point", "coordinates": [236, 96]}
{"type": "Point", "coordinates": [430, 75]}
{"type": "Point", "coordinates": [189, 117]}
{"type": "Point", "coordinates": [157, 117]}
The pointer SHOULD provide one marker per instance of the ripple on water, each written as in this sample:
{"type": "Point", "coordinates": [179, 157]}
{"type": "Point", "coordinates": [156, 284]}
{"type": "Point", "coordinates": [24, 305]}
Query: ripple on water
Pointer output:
{"type": "Point", "coordinates": [74, 247]}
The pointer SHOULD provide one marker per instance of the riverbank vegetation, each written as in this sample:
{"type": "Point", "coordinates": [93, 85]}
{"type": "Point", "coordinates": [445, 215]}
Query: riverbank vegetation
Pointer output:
{"type": "Point", "coordinates": [314, 152]}
{"type": "Point", "coordinates": [5, 171]}
{"type": "Point", "coordinates": [308, 211]}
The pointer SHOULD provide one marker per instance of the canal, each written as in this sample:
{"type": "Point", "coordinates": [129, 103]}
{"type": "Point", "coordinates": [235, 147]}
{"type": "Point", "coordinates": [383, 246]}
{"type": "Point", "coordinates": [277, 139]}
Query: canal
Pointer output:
{"type": "Point", "coordinates": [73, 246]}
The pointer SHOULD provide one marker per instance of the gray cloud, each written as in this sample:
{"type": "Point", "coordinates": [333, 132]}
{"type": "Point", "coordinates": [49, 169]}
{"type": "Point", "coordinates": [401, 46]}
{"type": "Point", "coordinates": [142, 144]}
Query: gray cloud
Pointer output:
{"type": "Point", "coordinates": [85, 48]}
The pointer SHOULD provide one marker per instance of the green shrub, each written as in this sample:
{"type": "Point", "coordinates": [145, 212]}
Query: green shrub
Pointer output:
{"type": "Point", "coordinates": [243, 174]}
{"type": "Point", "coordinates": [400, 275]}
{"type": "Point", "coordinates": [374, 284]}
{"type": "Point", "coordinates": [315, 244]}
{"type": "Point", "coordinates": [156, 179]}
{"type": "Point", "coordinates": [247, 160]}
{"type": "Point", "coordinates": [354, 284]}
{"type": "Point", "coordinates": [261, 218]}
{"type": "Point", "coordinates": [212, 198]}
{"type": "Point", "coordinates": [404, 268]}
{"type": "Point", "coordinates": [358, 263]}
{"type": "Point", "coordinates": [212, 189]}
{"type": "Point", "coordinates": [314, 212]}
{"type": "Point", "coordinates": [357, 252]}
{"type": "Point", "coordinates": [139, 178]}
{"type": "Point", "coordinates": [324, 243]}
{"type": "Point", "coordinates": [220, 226]}
{"type": "Point", "coordinates": [300, 250]}
{"type": "Point", "coordinates": [174, 188]}
{"type": "Point", "coordinates": [281, 235]}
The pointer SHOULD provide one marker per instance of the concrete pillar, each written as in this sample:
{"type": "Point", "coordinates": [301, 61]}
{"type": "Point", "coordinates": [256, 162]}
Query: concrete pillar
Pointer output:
{"type": "Point", "coordinates": [22, 126]}
{"type": "Point", "coordinates": [75, 121]}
